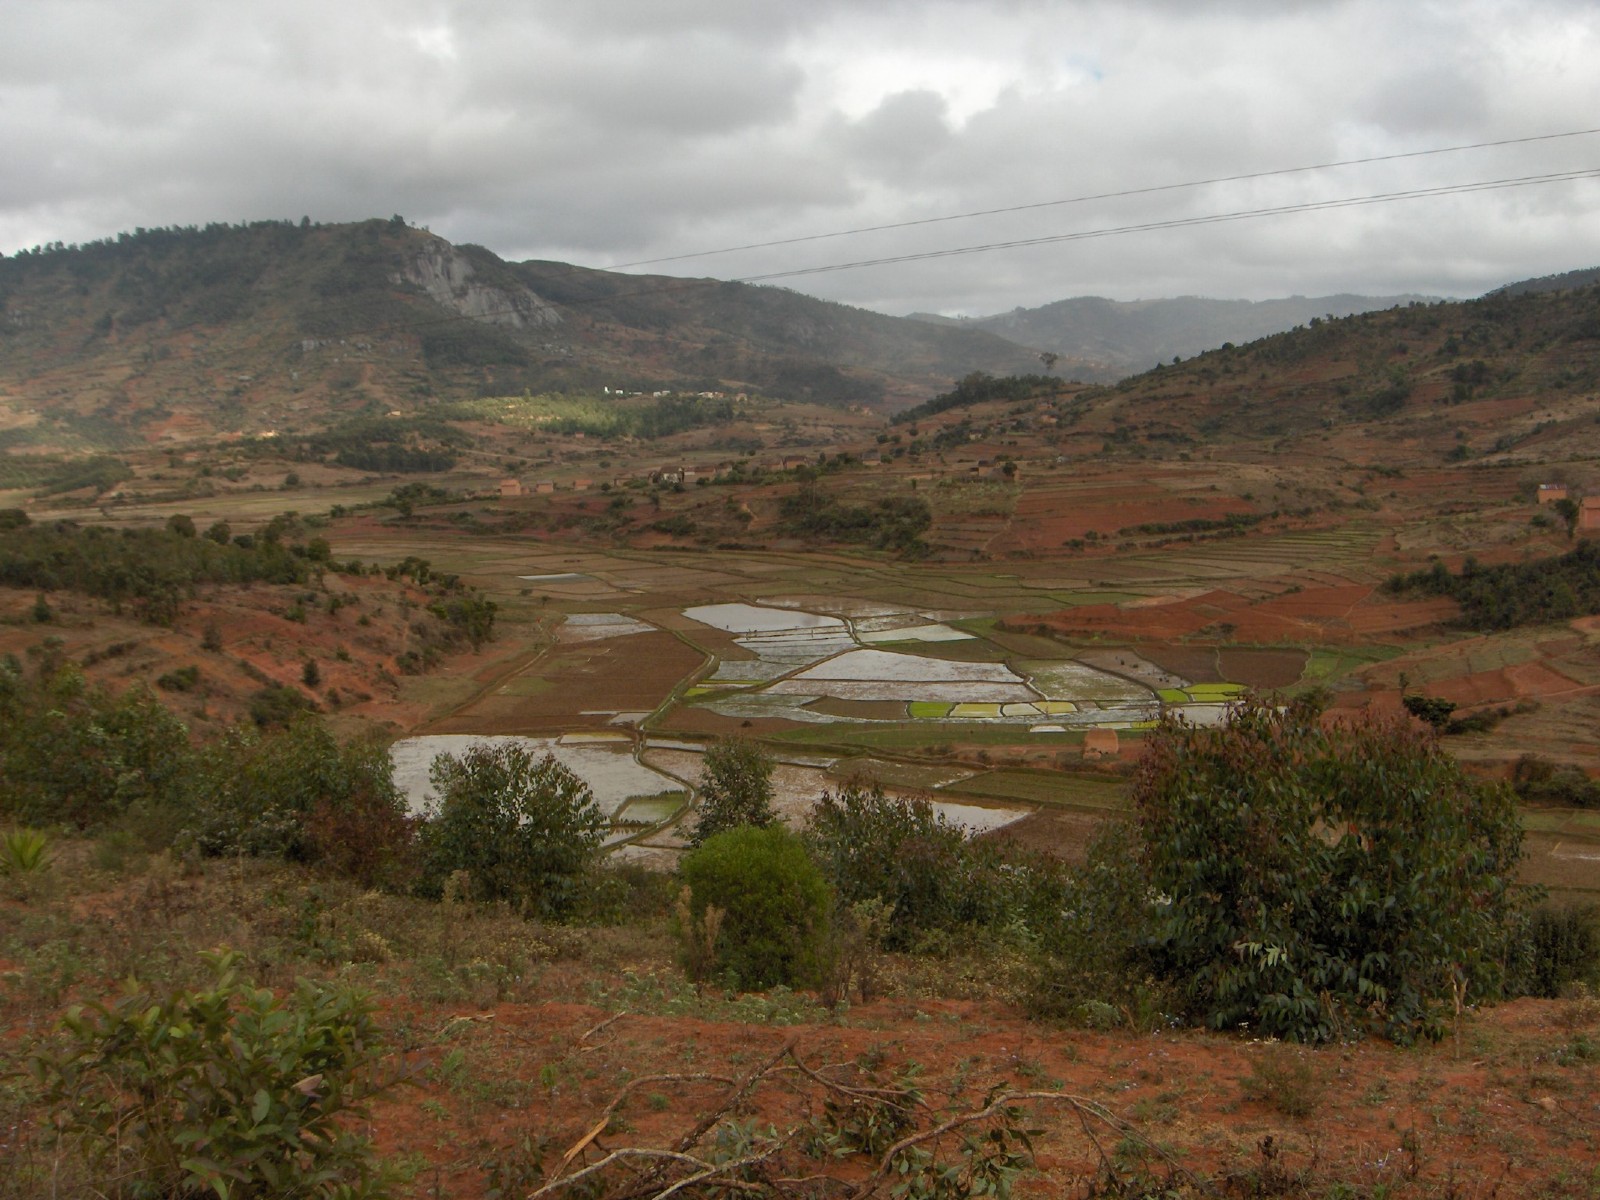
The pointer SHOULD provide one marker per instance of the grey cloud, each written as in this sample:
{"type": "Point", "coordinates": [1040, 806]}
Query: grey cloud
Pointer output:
{"type": "Point", "coordinates": [902, 132]}
{"type": "Point", "coordinates": [616, 130]}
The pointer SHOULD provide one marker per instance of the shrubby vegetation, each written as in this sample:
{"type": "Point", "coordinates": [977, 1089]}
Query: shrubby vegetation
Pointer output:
{"type": "Point", "coordinates": [299, 795]}
{"type": "Point", "coordinates": [387, 444]}
{"type": "Point", "coordinates": [183, 275]}
{"type": "Point", "coordinates": [470, 343]}
{"type": "Point", "coordinates": [760, 905]}
{"type": "Point", "coordinates": [735, 789]}
{"type": "Point", "coordinates": [98, 471]}
{"type": "Point", "coordinates": [469, 614]}
{"type": "Point", "coordinates": [872, 846]}
{"type": "Point", "coordinates": [153, 569]}
{"type": "Point", "coordinates": [510, 827]}
{"type": "Point", "coordinates": [1313, 883]}
{"type": "Point", "coordinates": [604, 416]}
{"type": "Point", "coordinates": [1557, 948]}
{"type": "Point", "coordinates": [76, 756]}
{"type": "Point", "coordinates": [225, 1091]}
{"type": "Point", "coordinates": [979, 387]}
{"type": "Point", "coordinates": [1539, 782]}
{"type": "Point", "coordinates": [1233, 521]}
{"type": "Point", "coordinates": [1093, 938]}
{"type": "Point", "coordinates": [891, 523]}
{"type": "Point", "coordinates": [1317, 881]}
{"type": "Point", "coordinates": [667, 415]}
{"type": "Point", "coordinates": [1513, 594]}
{"type": "Point", "coordinates": [1321, 881]}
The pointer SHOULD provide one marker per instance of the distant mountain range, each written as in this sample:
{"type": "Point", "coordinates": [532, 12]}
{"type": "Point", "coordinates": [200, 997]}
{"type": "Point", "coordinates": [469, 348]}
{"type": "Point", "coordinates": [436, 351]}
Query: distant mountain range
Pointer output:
{"type": "Point", "coordinates": [1101, 340]}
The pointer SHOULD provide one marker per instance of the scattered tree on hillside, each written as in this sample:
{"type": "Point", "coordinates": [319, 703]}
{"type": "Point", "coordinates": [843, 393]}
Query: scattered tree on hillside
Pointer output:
{"type": "Point", "coordinates": [891, 523]}
{"type": "Point", "coordinates": [735, 790]}
{"type": "Point", "coordinates": [1513, 594]}
{"type": "Point", "coordinates": [978, 387]}
{"type": "Point", "coordinates": [1567, 510]}
{"type": "Point", "coordinates": [524, 829]}
{"type": "Point", "coordinates": [1434, 710]}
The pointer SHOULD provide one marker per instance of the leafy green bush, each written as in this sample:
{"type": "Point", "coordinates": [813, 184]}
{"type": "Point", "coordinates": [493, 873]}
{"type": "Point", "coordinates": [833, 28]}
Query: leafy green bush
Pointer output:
{"type": "Point", "coordinates": [735, 789]}
{"type": "Point", "coordinates": [153, 569]}
{"type": "Point", "coordinates": [100, 472]}
{"type": "Point", "coordinates": [182, 679]}
{"type": "Point", "coordinates": [1512, 594]}
{"type": "Point", "coordinates": [1325, 878]}
{"type": "Point", "coordinates": [299, 795]}
{"type": "Point", "coordinates": [979, 387]}
{"type": "Point", "coordinates": [1557, 947]}
{"type": "Point", "coordinates": [227, 1091]}
{"type": "Point", "coordinates": [73, 754]}
{"type": "Point", "coordinates": [889, 523]}
{"type": "Point", "coordinates": [774, 904]}
{"type": "Point", "coordinates": [278, 704]}
{"type": "Point", "coordinates": [1091, 929]}
{"type": "Point", "coordinates": [468, 615]}
{"type": "Point", "coordinates": [525, 829]}
{"type": "Point", "coordinates": [1537, 781]}
{"type": "Point", "coordinates": [876, 847]}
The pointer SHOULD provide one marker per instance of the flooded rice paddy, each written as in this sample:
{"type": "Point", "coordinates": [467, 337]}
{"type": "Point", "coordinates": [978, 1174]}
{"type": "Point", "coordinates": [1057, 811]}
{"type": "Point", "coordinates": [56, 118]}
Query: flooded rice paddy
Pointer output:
{"type": "Point", "coordinates": [807, 665]}
{"type": "Point", "coordinates": [594, 627]}
{"type": "Point", "coordinates": [798, 785]}
{"type": "Point", "coordinates": [605, 764]}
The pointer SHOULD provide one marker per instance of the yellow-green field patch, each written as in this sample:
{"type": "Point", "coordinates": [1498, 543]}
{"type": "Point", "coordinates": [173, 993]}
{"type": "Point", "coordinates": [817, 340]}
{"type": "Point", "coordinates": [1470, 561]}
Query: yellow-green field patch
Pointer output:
{"type": "Point", "coordinates": [975, 709]}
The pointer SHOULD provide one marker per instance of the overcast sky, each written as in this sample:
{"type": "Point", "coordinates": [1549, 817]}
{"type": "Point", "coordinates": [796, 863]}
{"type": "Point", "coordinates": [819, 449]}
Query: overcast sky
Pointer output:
{"type": "Point", "coordinates": [610, 131]}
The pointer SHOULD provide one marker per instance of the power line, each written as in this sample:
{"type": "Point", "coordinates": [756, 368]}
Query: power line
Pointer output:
{"type": "Point", "coordinates": [1182, 222]}
{"type": "Point", "coordinates": [1118, 195]}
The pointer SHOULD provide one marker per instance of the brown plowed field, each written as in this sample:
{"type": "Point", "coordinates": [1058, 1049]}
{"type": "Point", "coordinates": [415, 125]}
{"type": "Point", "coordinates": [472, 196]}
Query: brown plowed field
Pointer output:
{"type": "Point", "coordinates": [579, 685]}
{"type": "Point", "coordinates": [1509, 683]}
{"type": "Point", "coordinates": [1257, 668]}
{"type": "Point", "coordinates": [1047, 517]}
{"type": "Point", "coordinates": [1343, 614]}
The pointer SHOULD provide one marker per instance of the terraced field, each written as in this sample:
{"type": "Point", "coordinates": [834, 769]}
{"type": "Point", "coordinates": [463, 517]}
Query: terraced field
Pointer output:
{"type": "Point", "coordinates": [1128, 634]}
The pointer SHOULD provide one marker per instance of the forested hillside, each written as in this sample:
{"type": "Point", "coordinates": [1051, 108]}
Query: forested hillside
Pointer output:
{"type": "Point", "coordinates": [168, 334]}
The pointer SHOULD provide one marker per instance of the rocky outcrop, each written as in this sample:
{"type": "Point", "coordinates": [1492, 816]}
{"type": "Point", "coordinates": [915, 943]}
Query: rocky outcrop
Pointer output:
{"type": "Point", "coordinates": [450, 279]}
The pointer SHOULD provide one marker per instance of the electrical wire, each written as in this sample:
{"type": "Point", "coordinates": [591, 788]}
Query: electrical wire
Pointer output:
{"type": "Point", "coordinates": [1117, 195]}
{"type": "Point", "coordinates": [1183, 222]}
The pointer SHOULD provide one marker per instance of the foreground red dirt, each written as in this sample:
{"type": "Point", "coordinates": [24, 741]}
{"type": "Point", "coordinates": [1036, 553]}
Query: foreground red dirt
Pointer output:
{"type": "Point", "coordinates": [1505, 1106]}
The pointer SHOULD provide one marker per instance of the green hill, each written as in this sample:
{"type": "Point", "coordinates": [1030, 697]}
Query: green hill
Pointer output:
{"type": "Point", "coordinates": [171, 334]}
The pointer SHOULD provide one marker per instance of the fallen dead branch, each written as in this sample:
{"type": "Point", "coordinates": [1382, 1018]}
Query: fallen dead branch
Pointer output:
{"type": "Point", "coordinates": [969, 1150]}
